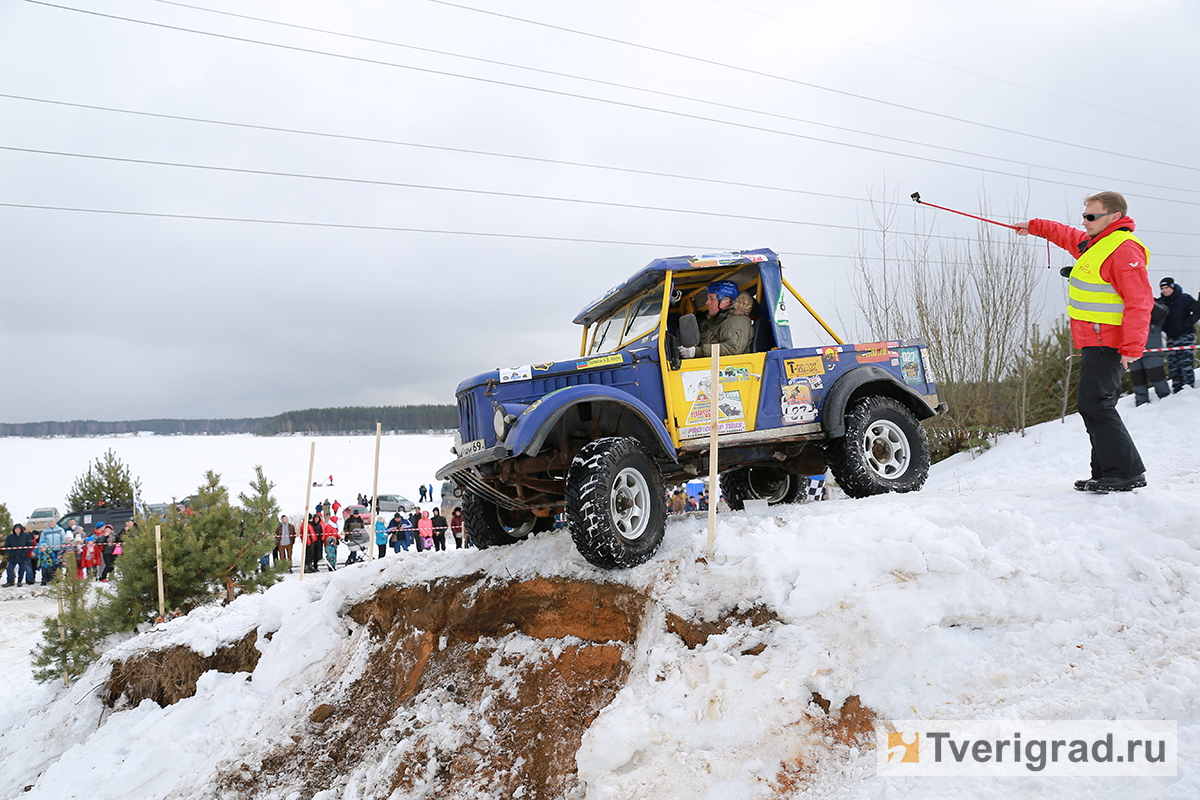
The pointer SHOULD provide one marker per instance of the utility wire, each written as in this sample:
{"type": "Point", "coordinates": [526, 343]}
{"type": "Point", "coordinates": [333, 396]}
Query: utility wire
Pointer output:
{"type": "Point", "coordinates": [485, 153]}
{"type": "Point", "coordinates": [443, 148]}
{"type": "Point", "coordinates": [455, 189]}
{"type": "Point", "coordinates": [489, 154]}
{"type": "Point", "coordinates": [942, 64]}
{"type": "Point", "coordinates": [350, 226]}
{"type": "Point", "coordinates": [674, 96]}
{"type": "Point", "coordinates": [575, 95]}
{"type": "Point", "coordinates": [797, 82]}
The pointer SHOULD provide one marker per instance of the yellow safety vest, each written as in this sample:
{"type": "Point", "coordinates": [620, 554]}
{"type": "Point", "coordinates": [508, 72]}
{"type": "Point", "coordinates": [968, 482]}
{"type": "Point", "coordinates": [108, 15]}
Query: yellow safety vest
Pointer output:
{"type": "Point", "coordinates": [1091, 298]}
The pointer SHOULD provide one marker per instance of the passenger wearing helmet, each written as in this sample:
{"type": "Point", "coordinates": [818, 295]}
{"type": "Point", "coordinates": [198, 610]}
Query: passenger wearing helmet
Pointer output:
{"type": "Point", "coordinates": [728, 322]}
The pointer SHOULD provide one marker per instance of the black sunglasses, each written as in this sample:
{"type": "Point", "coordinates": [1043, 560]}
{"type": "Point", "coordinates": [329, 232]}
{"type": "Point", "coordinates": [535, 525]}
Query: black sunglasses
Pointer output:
{"type": "Point", "coordinates": [1094, 217]}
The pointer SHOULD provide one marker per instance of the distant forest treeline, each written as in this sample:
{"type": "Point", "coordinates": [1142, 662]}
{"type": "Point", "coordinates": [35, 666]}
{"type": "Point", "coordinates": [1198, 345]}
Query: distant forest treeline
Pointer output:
{"type": "Point", "coordinates": [356, 419]}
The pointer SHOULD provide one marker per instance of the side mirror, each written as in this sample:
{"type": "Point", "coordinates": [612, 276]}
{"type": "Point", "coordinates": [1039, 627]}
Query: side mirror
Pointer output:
{"type": "Point", "coordinates": [689, 330]}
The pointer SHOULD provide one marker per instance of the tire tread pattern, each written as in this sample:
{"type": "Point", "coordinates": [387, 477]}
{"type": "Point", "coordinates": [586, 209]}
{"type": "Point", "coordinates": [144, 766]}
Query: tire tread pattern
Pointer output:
{"type": "Point", "coordinates": [589, 482]}
{"type": "Point", "coordinates": [848, 462]}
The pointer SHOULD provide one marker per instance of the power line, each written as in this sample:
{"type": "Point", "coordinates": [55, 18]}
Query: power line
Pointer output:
{"type": "Point", "coordinates": [485, 153]}
{"type": "Point", "coordinates": [441, 231]}
{"type": "Point", "coordinates": [942, 64]}
{"type": "Point", "coordinates": [797, 82]}
{"type": "Point", "coordinates": [455, 189]}
{"type": "Point", "coordinates": [444, 148]}
{"type": "Point", "coordinates": [674, 96]}
{"type": "Point", "coordinates": [618, 103]}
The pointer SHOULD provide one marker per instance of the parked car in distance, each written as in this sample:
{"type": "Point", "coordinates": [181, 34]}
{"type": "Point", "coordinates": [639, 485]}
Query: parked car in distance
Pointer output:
{"type": "Point", "coordinates": [157, 509]}
{"type": "Point", "coordinates": [41, 518]}
{"type": "Point", "coordinates": [362, 511]}
{"type": "Point", "coordinates": [391, 503]}
{"type": "Point", "coordinates": [86, 520]}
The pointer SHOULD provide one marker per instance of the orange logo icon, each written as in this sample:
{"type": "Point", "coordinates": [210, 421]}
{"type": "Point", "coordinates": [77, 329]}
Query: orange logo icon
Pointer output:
{"type": "Point", "coordinates": [904, 747]}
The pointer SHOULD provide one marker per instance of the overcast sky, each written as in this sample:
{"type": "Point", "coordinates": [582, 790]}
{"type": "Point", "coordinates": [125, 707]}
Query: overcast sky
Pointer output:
{"type": "Point", "coordinates": [419, 264]}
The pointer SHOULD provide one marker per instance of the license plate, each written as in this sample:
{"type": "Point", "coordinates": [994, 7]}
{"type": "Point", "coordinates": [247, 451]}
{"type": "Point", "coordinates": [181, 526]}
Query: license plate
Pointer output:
{"type": "Point", "coordinates": [470, 448]}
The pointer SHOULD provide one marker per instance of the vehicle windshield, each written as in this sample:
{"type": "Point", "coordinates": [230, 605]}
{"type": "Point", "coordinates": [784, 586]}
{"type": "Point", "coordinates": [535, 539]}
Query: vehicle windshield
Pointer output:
{"type": "Point", "coordinates": [633, 321]}
{"type": "Point", "coordinates": [42, 513]}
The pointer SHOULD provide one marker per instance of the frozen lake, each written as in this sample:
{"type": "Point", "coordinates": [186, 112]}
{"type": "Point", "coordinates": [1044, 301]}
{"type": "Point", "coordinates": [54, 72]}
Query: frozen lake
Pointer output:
{"type": "Point", "coordinates": [40, 472]}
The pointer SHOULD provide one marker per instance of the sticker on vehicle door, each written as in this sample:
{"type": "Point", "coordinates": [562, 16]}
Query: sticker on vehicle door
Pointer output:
{"type": "Point", "coordinates": [796, 402]}
{"type": "Point", "coordinates": [803, 367]}
{"type": "Point", "coordinates": [731, 415]}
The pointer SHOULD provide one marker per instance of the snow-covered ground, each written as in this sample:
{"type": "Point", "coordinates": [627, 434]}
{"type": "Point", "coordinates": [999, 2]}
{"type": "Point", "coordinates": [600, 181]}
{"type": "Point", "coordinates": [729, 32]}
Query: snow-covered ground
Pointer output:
{"type": "Point", "coordinates": [996, 592]}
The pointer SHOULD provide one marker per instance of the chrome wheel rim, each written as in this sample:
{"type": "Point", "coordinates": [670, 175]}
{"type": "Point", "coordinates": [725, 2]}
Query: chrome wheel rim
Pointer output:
{"type": "Point", "coordinates": [887, 449]}
{"type": "Point", "coordinates": [629, 503]}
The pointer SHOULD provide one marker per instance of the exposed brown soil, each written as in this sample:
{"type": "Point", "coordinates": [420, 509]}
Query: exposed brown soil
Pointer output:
{"type": "Point", "coordinates": [442, 645]}
{"type": "Point", "coordinates": [852, 726]}
{"type": "Point", "coordinates": [472, 687]}
{"type": "Point", "coordinates": [695, 633]}
{"type": "Point", "coordinates": [168, 676]}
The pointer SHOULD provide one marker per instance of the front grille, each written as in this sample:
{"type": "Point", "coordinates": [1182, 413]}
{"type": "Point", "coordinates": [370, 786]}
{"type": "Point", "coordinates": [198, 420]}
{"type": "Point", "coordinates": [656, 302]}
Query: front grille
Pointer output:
{"type": "Point", "coordinates": [467, 417]}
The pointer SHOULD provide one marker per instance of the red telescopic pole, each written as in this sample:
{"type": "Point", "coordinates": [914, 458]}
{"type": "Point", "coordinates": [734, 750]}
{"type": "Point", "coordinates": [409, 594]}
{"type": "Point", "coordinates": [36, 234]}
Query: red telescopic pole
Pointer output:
{"type": "Point", "coordinates": [916, 196]}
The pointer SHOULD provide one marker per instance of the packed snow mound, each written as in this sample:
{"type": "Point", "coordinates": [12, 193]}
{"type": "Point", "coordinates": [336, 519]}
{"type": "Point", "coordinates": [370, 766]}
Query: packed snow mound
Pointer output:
{"type": "Point", "coordinates": [996, 592]}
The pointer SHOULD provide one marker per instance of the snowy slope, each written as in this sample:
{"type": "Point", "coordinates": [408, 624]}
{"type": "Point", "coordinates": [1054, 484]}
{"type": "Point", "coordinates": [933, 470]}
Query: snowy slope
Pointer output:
{"type": "Point", "coordinates": [996, 592]}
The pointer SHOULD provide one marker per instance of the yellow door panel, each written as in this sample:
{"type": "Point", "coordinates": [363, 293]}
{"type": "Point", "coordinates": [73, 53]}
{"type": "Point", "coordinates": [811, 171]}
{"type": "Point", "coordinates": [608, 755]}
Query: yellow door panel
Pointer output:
{"type": "Point", "coordinates": [737, 404]}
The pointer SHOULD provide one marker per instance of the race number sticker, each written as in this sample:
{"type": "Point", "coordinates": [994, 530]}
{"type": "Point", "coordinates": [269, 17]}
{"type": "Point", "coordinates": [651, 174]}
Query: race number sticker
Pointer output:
{"type": "Point", "coordinates": [796, 402]}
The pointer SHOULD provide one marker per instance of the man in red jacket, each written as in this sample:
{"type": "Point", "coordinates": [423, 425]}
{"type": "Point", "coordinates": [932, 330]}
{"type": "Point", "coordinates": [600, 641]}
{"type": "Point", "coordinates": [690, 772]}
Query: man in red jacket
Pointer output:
{"type": "Point", "coordinates": [1109, 302]}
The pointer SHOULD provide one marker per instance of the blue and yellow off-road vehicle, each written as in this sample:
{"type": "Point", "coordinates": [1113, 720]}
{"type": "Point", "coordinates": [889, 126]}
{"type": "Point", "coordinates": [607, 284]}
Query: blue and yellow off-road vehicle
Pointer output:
{"type": "Point", "coordinates": [602, 434]}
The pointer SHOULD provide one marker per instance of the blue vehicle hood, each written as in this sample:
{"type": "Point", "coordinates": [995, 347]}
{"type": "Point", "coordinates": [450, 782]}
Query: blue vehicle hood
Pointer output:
{"type": "Point", "coordinates": [546, 369]}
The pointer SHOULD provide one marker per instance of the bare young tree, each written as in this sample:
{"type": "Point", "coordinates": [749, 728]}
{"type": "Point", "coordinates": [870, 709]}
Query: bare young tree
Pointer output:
{"type": "Point", "coordinates": [973, 300]}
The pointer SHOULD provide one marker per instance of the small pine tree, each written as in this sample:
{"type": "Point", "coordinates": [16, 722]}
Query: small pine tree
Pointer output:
{"type": "Point", "coordinates": [106, 482]}
{"type": "Point", "coordinates": [205, 554]}
{"type": "Point", "coordinates": [69, 639]}
{"type": "Point", "coordinates": [260, 512]}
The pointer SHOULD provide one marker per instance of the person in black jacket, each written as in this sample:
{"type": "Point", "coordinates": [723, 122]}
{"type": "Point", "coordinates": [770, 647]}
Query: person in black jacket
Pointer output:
{"type": "Point", "coordinates": [1150, 368]}
{"type": "Point", "coordinates": [439, 530]}
{"type": "Point", "coordinates": [1180, 329]}
{"type": "Point", "coordinates": [19, 544]}
{"type": "Point", "coordinates": [413, 519]}
{"type": "Point", "coordinates": [313, 543]}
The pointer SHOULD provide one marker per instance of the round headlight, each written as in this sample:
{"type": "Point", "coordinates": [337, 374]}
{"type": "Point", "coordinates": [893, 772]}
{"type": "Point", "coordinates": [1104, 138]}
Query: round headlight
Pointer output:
{"type": "Point", "coordinates": [500, 423]}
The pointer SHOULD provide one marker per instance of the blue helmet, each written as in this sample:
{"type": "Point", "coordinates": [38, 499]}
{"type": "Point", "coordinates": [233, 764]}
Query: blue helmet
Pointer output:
{"type": "Point", "coordinates": [724, 289]}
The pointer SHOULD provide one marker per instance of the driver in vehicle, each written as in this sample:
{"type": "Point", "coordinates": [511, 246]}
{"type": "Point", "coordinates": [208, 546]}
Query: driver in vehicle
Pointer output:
{"type": "Point", "coordinates": [728, 322]}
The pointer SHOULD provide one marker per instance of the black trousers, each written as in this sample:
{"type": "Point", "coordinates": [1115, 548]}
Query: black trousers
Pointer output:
{"type": "Point", "coordinates": [1114, 454]}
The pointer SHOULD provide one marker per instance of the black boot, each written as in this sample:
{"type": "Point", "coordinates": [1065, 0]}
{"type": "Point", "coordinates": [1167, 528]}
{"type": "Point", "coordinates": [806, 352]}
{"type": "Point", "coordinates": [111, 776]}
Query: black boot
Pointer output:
{"type": "Point", "coordinates": [1106, 485]}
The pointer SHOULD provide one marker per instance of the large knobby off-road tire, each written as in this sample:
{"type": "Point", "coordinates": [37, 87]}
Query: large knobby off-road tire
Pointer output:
{"type": "Point", "coordinates": [773, 484]}
{"type": "Point", "coordinates": [488, 525]}
{"type": "Point", "coordinates": [616, 503]}
{"type": "Point", "coordinates": [884, 449]}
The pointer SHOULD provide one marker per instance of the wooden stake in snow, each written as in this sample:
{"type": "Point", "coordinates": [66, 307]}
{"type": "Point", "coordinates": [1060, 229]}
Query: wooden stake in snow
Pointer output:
{"type": "Point", "coordinates": [312, 454]}
{"type": "Point", "coordinates": [714, 414]}
{"type": "Point", "coordinates": [374, 495]}
{"type": "Point", "coordinates": [162, 601]}
{"type": "Point", "coordinates": [62, 632]}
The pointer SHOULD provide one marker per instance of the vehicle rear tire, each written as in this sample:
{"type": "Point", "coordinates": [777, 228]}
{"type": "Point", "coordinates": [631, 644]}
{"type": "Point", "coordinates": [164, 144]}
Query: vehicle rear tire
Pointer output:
{"type": "Point", "coordinates": [884, 450]}
{"type": "Point", "coordinates": [773, 484]}
{"type": "Point", "coordinates": [488, 525]}
{"type": "Point", "coordinates": [616, 503]}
